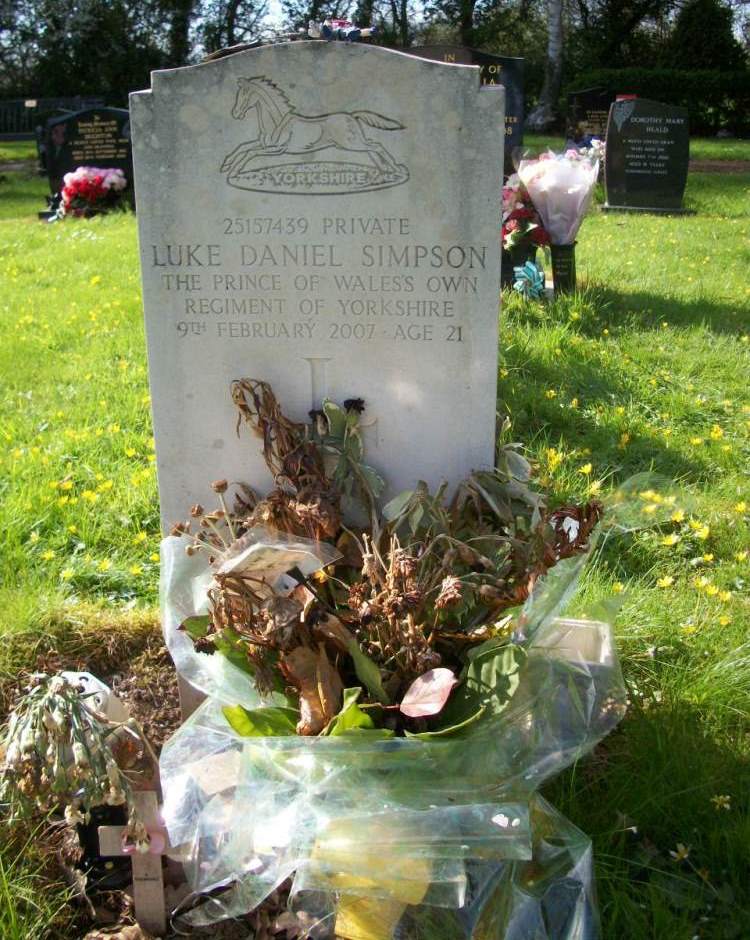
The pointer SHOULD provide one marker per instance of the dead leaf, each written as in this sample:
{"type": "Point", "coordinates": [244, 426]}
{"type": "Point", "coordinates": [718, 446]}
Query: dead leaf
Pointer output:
{"type": "Point", "coordinates": [331, 628]}
{"type": "Point", "coordinates": [130, 932]}
{"type": "Point", "coordinates": [319, 686]}
{"type": "Point", "coordinates": [428, 694]}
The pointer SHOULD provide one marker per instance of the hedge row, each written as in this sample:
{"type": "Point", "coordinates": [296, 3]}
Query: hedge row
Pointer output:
{"type": "Point", "coordinates": [715, 100]}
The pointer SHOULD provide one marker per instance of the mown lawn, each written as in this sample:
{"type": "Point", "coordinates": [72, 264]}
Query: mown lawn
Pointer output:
{"type": "Point", "coordinates": [646, 369]}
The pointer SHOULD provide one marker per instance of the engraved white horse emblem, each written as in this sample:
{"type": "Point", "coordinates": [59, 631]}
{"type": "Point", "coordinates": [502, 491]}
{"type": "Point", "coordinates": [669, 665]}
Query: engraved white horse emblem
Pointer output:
{"type": "Point", "coordinates": [282, 131]}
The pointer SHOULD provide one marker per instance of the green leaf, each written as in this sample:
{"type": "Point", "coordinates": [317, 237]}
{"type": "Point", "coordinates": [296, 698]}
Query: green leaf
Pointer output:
{"type": "Point", "coordinates": [368, 673]}
{"type": "Point", "coordinates": [393, 509]}
{"type": "Point", "coordinates": [372, 479]}
{"type": "Point", "coordinates": [229, 643]}
{"type": "Point", "coordinates": [267, 722]}
{"type": "Point", "coordinates": [447, 731]}
{"type": "Point", "coordinates": [350, 717]}
{"type": "Point", "coordinates": [490, 681]}
{"type": "Point", "coordinates": [196, 627]}
{"type": "Point", "coordinates": [336, 419]}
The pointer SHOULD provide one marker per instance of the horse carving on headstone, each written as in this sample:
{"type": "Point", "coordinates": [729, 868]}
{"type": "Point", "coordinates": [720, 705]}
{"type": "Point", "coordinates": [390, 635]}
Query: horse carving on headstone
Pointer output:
{"type": "Point", "coordinates": [282, 131]}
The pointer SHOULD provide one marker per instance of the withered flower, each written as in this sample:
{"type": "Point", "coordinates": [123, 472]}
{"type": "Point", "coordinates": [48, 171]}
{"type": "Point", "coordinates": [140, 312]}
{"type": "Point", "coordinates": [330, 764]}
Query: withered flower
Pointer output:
{"type": "Point", "coordinates": [450, 593]}
{"type": "Point", "coordinates": [354, 404]}
{"type": "Point", "coordinates": [196, 510]}
{"type": "Point", "coordinates": [219, 486]}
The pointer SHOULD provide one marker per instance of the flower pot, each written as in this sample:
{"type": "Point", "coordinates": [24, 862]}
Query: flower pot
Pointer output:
{"type": "Point", "coordinates": [564, 268]}
{"type": "Point", "coordinates": [515, 258]}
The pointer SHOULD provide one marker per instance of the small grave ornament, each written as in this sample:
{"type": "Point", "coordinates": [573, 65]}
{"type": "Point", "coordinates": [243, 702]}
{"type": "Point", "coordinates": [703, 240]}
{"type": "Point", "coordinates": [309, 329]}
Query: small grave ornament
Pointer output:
{"type": "Point", "coordinates": [529, 280]}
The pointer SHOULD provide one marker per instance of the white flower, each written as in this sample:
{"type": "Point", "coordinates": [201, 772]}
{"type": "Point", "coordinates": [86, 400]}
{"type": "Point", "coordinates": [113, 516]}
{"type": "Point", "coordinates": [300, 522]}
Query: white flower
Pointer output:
{"type": "Point", "coordinates": [80, 756]}
{"type": "Point", "coordinates": [73, 815]}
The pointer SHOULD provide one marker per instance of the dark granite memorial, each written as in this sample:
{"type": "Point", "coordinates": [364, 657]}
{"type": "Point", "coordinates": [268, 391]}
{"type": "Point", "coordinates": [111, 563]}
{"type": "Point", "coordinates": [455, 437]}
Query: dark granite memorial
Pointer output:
{"type": "Point", "coordinates": [588, 111]}
{"type": "Point", "coordinates": [95, 137]}
{"type": "Point", "coordinates": [495, 70]}
{"type": "Point", "coordinates": [646, 162]}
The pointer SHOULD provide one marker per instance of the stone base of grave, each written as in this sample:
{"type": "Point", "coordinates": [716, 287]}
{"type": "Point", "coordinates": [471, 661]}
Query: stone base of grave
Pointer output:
{"type": "Point", "coordinates": [607, 208]}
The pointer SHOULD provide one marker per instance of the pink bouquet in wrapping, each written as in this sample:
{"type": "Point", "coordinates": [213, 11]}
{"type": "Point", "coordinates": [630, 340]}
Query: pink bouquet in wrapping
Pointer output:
{"type": "Point", "coordinates": [90, 189]}
{"type": "Point", "coordinates": [561, 187]}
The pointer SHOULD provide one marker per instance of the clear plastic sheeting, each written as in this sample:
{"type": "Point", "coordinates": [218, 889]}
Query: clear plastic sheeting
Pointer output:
{"type": "Point", "coordinates": [435, 839]}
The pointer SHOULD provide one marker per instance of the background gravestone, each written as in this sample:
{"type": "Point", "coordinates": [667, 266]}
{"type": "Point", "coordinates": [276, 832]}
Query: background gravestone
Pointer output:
{"type": "Point", "coordinates": [333, 235]}
{"type": "Point", "coordinates": [94, 137]}
{"type": "Point", "coordinates": [495, 70]}
{"type": "Point", "coordinates": [588, 113]}
{"type": "Point", "coordinates": [646, 161]}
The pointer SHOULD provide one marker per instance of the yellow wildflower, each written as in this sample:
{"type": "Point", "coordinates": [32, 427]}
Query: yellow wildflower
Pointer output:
{"type": "Point", "coordinates": [724, 621]}
{"type": "Point", "coordinates": [671, 539]}
{"type": "Point", "coordinates": [681, 853]}
{"type": "Point", "coordinates": [722, 801]}
{"type": "Point", "coordinates": [678, 516]}
{"type": "Point", "coordinates": [586, 469]}
{"type": "Point", "coordinates": [90, 496]}
{"type": "Point", "coordinates": [550, 393]}
{"type": "Point", "coordinates": [725, 596]}
{"type": "Point", "coordinates": [618, 587]}
{"type": "Point", "coordinates": [696, 441]}
{"type": "Point", "coordinates": [665, 582]}
{"type": "Point", "coordinates": [66, 574]}
{"type": "Point", "coordinates": [741, 506]}
{"type": "Point", "coordinates": [136, 569]}
{"type": "Point", "coordinates": [104, 565]}
{"type": "Point", "coordinates": [740, 556]}
{"type": "Point", "coordinates": [716, 433]}
{"type": "Point", "coordinates": [48, 555]}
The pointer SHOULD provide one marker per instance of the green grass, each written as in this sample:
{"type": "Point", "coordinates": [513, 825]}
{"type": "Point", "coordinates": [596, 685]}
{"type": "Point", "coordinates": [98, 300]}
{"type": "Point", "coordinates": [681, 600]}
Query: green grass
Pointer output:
{"type": "Point", "coordinates": [701, 148]}
{"type": "Point", "coordinates": [17, 150]}
{"type": "Point", "coordinates": [645, 369]}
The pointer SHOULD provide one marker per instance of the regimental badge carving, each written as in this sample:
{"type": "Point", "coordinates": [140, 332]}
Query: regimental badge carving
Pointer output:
{"type": "Point", "coordinates": [270, 162]}
{"type": "Point", "coordinates": [622, 111]}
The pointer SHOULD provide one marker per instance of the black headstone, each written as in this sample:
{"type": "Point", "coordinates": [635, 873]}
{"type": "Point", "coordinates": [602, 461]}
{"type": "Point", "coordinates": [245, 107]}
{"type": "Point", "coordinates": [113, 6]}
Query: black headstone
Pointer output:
{"type": "Point", "coordinates": [646, 161]}
{"type": "Point", "coordinates": [494, 70]}
{"type": "Point", "coordinates": [95, 137]}
{"type": "Point", "coordinates": [588, 111]}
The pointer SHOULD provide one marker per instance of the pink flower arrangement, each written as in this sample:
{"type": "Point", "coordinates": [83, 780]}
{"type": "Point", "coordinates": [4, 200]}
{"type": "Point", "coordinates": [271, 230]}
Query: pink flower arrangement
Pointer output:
{"type": "Point", "coordinates": [521, 222]}
{"type": "Point", "coordinates": [90, 188]}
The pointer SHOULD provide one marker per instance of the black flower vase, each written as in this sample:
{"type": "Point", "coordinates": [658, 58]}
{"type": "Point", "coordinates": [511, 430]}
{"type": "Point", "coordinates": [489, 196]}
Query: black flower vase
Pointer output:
{"type": "Point", "coordinates": [564, 268]}
{"type": "Point", "coordinates": [515, 258]}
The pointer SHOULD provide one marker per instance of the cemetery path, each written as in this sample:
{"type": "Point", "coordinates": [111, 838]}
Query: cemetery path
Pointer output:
{"type": "Point", "coordinates": [719, 166]}
{"type": "Point", "coordinates": [9, 166]}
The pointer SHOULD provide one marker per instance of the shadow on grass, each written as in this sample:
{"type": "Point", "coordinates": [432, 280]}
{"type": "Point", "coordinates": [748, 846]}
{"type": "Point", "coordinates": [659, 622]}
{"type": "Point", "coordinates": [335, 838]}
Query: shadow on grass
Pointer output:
{"type": "Point", "coordinates": [598, 306]}
{"type": "Point", "coordinates": [594, 383]}
{"type": "Point", "coordinates": [644, 790]}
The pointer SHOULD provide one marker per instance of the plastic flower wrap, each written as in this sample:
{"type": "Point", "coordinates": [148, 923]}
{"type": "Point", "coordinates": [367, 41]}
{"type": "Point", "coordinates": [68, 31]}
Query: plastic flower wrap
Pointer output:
{"type": "Point", "coordinates": [521, 223]}
{"type": "Point", "coordinates": [90, 188]}
{"type": "Point", "coordinates": [384, 700]}
{"type": "Point", "coordinates": [561, 187]}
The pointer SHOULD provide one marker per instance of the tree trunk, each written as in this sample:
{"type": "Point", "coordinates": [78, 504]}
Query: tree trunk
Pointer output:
{"type": "Point", "coordinates": [545, 112]}
{"type": "Point", "coordinates": [179, 32]}
{"type": "Point", "coordinates": [466, 24]}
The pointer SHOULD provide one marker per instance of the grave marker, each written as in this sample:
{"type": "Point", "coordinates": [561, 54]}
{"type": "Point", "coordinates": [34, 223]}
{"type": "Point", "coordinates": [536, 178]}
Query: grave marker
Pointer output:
{"type": "Point", "coordinates": [495, 71]}
{"type": "Point", "coordinates": [646, 161]}
{"type": "Point", "coordinates": [588, 112]}
{"type": "Point", "coordinates": [333, 235]}
{"type": "Point", "coordinates": [94, 137]}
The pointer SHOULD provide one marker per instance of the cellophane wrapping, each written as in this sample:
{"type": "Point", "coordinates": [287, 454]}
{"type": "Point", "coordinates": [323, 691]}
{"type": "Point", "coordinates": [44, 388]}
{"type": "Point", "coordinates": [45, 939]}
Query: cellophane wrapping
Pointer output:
{"type": "Point", "coordinates": [428, 839]}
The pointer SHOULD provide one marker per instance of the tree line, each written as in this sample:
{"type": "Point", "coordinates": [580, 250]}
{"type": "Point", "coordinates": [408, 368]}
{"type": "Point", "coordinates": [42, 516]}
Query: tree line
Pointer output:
{"type": "Point", "coordinates": [52, 48]}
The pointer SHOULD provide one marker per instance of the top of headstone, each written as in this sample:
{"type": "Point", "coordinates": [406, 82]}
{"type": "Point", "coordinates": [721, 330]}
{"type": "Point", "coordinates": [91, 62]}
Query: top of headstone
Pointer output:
{"type": "Point", "coordinates": [319, 217]}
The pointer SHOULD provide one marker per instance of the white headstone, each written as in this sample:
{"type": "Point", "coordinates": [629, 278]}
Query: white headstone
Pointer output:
{"type": "Point", "coordinates": [325, 217]}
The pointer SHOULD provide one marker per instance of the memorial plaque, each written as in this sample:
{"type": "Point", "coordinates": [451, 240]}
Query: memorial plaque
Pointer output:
{"type": "Point", "coordinates": [588, 112]}
{"type": "Point", "coordinates": [495, 70]}
{"type": "Point", "coordinates": [94, 137]}
{"type": "Point", "coordinates": [333, 235]}
{"type": "Point", "coordinates": [646, 161]}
